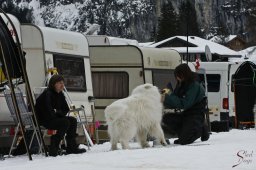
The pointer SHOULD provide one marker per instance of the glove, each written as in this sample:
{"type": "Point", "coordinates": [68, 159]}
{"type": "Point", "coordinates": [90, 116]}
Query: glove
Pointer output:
{"type": "Point", "coordinates": [166, 91]}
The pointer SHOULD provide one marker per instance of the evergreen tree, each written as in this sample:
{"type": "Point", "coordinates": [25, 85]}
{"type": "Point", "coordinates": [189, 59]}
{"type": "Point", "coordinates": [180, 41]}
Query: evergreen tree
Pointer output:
{"type": "Point", "coordinates": [23, 14]}
{"type": "Point", "coordinates": [168, 26]}
{"type": "Point", "coordinates": [47, 2]}
{"type": "Point", "coordinates": [251, 29]}
{"type": "Point", "coordinates": [222, 33]}
{"type": "Point", "coordinates": [188, 20]}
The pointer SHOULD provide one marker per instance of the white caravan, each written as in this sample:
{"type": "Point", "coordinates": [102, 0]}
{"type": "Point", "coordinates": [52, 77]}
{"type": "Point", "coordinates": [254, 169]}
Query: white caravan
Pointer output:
{"type": "Point", "coordinates": [67, 51]}
{"type": "Point", "coordinates": [6, 122]}
{"type": "Point", "coordinates": [16, 24]}
{"type": "Point", "coordinates": [4, 117]}
{"type": "Point", "coordinates": [46, 48]}
{"type": "Point", "coordinates": [116, 70]}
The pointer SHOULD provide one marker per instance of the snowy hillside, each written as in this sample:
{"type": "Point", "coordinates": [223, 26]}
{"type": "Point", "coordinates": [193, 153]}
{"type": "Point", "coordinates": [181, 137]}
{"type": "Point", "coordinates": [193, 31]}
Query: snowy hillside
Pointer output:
{"type": "Point", "coordinates": [122, 18]}
{"type": "Point", "coordinates": [222, 152]}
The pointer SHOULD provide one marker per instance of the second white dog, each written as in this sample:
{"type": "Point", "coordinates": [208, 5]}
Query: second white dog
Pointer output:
{"type": "Point", "coordinates": [138, 115]}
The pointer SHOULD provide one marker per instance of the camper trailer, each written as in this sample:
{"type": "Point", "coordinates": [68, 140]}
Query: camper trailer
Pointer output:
{"type": "Point", "coordinates": [6, 122]}
{"type": "Point", "coordinates": [47, 48]}
{"type": "Point", "coordinates": [117, 70]}
{"type": "Point", "coordinates": [68, 52]}
{"type": "Point", "coordinates": [16, 24]}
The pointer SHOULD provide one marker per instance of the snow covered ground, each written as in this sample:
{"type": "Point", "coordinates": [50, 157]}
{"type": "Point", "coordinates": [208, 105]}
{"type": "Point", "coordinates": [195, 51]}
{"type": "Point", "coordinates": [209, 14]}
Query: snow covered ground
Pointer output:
{"type": "Point", "coordinates": [223, 151]}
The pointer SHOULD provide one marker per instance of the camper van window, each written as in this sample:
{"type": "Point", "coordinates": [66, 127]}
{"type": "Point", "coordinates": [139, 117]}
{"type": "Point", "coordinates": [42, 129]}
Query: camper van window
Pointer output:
{"type": "Point", "coordinates": [203, 57]}
{"type": "Point", "coordinates": [73, 71]}
{"type": "Point", "coordinates": [213, 82]}
{"type": "Point", "coordinates": [163, 77]}
{"type": "Point", "coordinates": [114, 85]}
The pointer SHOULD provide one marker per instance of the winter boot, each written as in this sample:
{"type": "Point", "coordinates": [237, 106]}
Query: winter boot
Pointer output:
{"type": "Point", "coordinates": [54, 147]}
{"type": "Point", "coordinates": [177, 141]}
{"type": "Point", "coordinates": [205, 133]}
{"type": "Point", "coordinates": [72, 147]}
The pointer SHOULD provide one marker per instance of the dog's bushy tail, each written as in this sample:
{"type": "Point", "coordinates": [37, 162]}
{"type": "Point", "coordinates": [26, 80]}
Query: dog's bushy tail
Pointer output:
{"type": "Point", "coordinates": [113, 112]}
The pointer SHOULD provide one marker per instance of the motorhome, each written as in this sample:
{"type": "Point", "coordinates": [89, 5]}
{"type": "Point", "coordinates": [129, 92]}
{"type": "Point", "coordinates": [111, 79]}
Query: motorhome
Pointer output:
{"type": "Point", "coordinates": [221, 96]}
{"type": "Point", "coordinates": [117, 70]}
{"type": "Point", "coordinates": [45, 49]}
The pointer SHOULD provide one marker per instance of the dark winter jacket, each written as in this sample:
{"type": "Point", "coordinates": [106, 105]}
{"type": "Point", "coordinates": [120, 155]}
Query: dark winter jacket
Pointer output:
{"type": "Point", "coordinates": [186, 97]}
{"type": "Point", "coordinates": [51, 105]}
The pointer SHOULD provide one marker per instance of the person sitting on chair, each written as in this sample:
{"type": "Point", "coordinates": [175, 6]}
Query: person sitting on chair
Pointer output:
{"type": "Point", "coordinates": [51, 109]}
{"type": "Point", "coordinates": [188, 96]}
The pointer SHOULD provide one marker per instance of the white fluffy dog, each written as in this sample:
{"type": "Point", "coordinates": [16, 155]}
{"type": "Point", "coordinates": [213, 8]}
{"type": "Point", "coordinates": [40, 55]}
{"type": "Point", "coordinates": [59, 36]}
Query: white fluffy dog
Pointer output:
{"type": "Point", "coordinates": [138, 115]}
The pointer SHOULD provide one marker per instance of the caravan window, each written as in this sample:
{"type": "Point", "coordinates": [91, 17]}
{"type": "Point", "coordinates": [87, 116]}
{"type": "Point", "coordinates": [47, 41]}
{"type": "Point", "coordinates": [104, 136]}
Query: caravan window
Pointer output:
{"type": "Point", "coordinates": [114, 85]}
{"type": "Point", "coordinates": [213, 82]}
{"type": "Point", "coordinates": [191, 57]}
{"type": "Point", "coordinates": [73, 71]}
{"type": "Point", "coordinates": [163, 77]}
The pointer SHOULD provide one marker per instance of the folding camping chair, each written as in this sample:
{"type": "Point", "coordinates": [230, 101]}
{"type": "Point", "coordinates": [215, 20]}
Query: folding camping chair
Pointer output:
{"type": "Point", "coordinates": [26, 117]}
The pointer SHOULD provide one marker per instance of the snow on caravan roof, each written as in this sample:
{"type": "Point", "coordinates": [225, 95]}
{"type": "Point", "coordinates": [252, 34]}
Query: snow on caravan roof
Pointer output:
{"type": "Point", "coordinates": [107, 40]}
{"type": "Point", "coordinates": [15, 22]}
{"type": "Point", "coordinates": [122, 41]}
{"type": "Point", "coordinates": [156, 58]}
{"type": "Point", "coordinates": [67, 42]}
{"type": "Point", "coordinates": [200, 44]}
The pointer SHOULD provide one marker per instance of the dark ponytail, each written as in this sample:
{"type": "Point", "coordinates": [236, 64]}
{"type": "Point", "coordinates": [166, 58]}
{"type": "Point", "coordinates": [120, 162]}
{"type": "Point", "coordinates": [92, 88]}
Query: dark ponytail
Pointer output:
{"type": "Point", "coordinates": [183, 71]}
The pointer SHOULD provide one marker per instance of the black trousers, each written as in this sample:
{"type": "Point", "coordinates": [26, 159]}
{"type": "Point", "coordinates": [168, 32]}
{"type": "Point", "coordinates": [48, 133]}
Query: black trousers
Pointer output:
{"type": "Point", "coordinates": [63, 125]}
{"type": "Point", "coordinates": [188, 127]}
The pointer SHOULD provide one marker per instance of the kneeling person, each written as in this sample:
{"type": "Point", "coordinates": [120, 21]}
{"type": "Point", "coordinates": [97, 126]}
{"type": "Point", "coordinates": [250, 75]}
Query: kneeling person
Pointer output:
{"type": "Point", "coordinates": [188, 95]}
